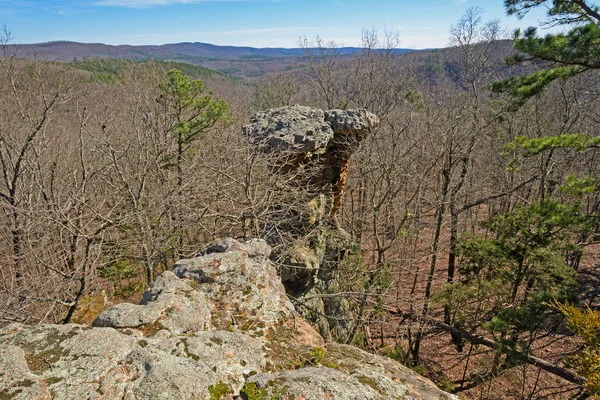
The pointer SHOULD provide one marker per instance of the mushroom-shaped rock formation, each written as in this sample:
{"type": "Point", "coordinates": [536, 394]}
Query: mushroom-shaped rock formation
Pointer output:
{"type": "Point", "coordinates": [299, 130]}
{"type": "Point", "coordinates": [218, 327]}
{"type": "Point", "coordinates": [300, 134]}
{"type": "Point", "coordinates": [296, 136]}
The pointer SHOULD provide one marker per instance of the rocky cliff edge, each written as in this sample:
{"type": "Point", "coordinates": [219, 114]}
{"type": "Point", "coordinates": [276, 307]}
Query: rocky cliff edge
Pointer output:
{"type": "Point", "coordinates": [218, 326]}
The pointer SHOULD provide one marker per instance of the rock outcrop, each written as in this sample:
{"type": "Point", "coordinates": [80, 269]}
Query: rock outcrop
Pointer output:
{"type": "Point", "coordinates": [303, 134]}
{"type": "Point", "coordinates": [219, 326]}
{"type": "Point", "coordinates": [297, 136]}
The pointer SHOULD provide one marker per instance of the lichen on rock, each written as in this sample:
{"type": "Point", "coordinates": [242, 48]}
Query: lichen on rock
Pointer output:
{"type": "Point", "coordinates": [177, 344]}
{"type": "Point", "coordinates": [301, 134]}
{"type": "Point", "coordinates": [294, 137]}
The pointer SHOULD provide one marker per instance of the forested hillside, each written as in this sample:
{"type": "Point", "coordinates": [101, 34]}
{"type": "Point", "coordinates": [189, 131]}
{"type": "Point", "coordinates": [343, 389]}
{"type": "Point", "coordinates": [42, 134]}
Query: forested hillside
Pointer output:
{"type": "Point", "coordinates": [246, 63]}
{"type": "Point", "coordinates": [472, 211]}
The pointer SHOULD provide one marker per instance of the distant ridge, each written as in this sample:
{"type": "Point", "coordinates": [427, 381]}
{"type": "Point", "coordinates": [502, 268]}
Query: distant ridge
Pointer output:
{"type": "Point", "coordinates": [243, 63]}
{"type": "Point", "coordinates": [185, 51]}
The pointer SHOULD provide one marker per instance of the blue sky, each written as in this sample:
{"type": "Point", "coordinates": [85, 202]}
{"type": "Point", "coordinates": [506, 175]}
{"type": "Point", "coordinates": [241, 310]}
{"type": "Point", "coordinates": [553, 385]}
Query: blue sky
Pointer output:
{"type": "Point", "coordinates": [257, 23]}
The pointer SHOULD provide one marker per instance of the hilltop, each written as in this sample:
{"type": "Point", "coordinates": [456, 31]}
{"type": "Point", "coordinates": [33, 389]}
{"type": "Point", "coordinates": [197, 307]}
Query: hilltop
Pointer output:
{"type": "Point", "coordinates": [241, 62]}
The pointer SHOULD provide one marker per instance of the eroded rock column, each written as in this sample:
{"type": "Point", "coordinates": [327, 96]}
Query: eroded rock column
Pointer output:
{"type": "Point", "coordinates": [296, 137]}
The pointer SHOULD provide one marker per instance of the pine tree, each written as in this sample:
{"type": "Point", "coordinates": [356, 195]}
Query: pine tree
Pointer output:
{"type": "Point", "coordinates": [565, 54]}
{"type": "Point", "coordinates": [507, 280]}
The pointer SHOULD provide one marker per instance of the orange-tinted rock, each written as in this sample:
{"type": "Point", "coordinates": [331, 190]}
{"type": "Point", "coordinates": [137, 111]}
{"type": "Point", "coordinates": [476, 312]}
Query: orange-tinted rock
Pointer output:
{"type": "Point", "coordinates": [299, 134]}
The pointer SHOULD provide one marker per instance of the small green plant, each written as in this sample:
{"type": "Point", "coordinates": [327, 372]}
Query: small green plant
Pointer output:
{"type": "Point", "coordinates": [445, 384]}
{"type": "Point", "coordinates": [396, 353]}
{"type": "Point", "coordinates": [118, 272]}
{"type": "Point", "coordinates": [251, 391]}
{"type": "Point", "coordinates": [318, 355]}
{"type": "Point", "coordinates": [418, 369]}
{"type": "Point", "coordinates": [219, 390]}
{"type": "Point", "coordinates": [359, 340]}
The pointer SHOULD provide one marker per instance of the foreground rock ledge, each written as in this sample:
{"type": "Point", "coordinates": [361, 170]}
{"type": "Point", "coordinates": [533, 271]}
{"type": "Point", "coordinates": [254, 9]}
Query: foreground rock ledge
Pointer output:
{"type": "Point", "coordinates": [219, 326]}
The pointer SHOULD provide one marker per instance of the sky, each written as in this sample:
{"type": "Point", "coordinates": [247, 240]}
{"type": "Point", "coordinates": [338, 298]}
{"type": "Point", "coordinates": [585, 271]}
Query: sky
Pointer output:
{"type": "Point", "coordinates": [257, 23]}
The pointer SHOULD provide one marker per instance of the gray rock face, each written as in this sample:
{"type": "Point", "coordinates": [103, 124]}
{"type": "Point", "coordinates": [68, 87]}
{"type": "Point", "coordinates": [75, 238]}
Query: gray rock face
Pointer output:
{"type": "Point", "coordinates": [356, 123]}
{"type": "Point", "coordinates": [234, 278]}
{"type": "Point", "coordinates": [15, 377]}
{"type": "Point", "coordinates": [295, 129]}
{"type": "Point", "coordinates": [218, 326]}
{"type": "Point", "coordinates": [320, 383]}
{"type": "Point", "coordinates": [305, 129]}
{"type": "Point", "coordinates": [325, 140]}
{"type": "Point", "coordinates": [169, 304]}
{"type": "Point", "coordinates": [306, 132]}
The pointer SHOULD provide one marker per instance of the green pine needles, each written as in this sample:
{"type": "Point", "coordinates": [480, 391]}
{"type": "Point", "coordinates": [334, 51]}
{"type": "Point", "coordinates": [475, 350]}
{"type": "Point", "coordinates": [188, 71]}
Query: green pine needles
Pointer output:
{"type": "Point", "coordinates": [564, 54]}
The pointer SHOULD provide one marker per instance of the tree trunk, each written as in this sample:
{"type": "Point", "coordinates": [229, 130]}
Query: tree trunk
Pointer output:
{"type": "Point", "coordinates": [434, 252]}
{"type": "Point", "coordinates": [538, 362]}
{"type": "Point", "coordinates": [451, 254]}
{"type": "Point", "coordinates": [483, 341]}
{"type": "Point", "coordinates": [16, 233]}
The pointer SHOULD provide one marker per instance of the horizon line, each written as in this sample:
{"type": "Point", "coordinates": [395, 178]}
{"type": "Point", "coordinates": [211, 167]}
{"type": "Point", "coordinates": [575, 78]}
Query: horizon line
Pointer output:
{"type": "Point", "coordinates": [210, 44]}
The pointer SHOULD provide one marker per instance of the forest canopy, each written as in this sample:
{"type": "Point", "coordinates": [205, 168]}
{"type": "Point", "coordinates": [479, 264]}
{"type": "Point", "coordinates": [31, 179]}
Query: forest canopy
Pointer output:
{"type": "Point", "coordinates": [466, 241]}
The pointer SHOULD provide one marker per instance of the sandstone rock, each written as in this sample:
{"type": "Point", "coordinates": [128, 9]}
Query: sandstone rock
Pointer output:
{"type": "Point", "coordinates": [255, 248]}
{"type": "Point", "coordinates": [242, 283]}
{"type": "Point", "coordinates": [326, 140]}
{"type": "Point", "coordinates": [358, 123]}
{"type": "Point", "coordinates": [170, 304]}
{"type": "Point", "coordinates": [160, 375]}
{"type": "Point", "coordinates": [71, 361]}
{"type": "Point", "coordinates": [380, 370]}
{"type": "Point", "coordinates": [229, 354]}
{"type": "Point", "coordinates": [16, 380]}
{"type": "Point", "coordinates": [295, 129]}
{"type": "Point", "coordinates": [319, 383]}
{"type": "Point", "coordinates": [305, 130]}
{"type": "Point", "coordinates": [327, 383]}
{"type": "Point", "coordinates": [171, 346]}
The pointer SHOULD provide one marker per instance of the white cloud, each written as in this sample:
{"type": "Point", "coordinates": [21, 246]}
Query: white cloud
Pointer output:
{"type": "Point", "coordinates": [151, 3]}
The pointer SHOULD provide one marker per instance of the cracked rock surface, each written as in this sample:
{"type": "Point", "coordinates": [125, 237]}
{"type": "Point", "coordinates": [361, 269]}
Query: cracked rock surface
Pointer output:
{"type": "Point", "coordinates": [219, 326]}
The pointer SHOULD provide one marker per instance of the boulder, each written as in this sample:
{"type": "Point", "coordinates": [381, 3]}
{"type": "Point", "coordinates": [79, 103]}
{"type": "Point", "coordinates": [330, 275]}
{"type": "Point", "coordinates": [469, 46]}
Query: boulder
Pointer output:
{"type": "Point", "coordinates": [219, 326]}
{"type": "Point", "coordinates": [357, 123]}
{"type": "Point", "coordinates": [169, 304]}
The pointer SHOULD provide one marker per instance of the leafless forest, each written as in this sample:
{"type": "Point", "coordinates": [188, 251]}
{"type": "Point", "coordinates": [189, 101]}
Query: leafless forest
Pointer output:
{"type": "Point", "coordinates": [99, 194]}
